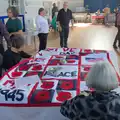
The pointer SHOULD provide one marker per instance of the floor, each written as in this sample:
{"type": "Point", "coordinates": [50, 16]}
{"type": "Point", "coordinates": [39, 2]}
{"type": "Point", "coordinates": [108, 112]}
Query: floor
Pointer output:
{"type": "Point", "coordinates": [85, 36]}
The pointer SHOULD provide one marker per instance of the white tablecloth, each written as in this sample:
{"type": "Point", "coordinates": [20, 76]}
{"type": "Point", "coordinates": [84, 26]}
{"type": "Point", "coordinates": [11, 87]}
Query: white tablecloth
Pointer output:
{"type": "Point", "coordinates": [40, 113]}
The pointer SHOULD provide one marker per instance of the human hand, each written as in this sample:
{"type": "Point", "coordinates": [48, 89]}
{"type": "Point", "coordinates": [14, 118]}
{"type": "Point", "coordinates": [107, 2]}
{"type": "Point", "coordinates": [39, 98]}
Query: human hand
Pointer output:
{"type": "Point", "coordinates": [59, 28]}
{"type": "Point", "coordinates": [72, 27]}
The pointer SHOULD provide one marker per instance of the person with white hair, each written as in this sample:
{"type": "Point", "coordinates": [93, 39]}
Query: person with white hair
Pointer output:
{"type": "Point", "coordinates": [101, 104]}
{"type": "Point", "coordinates": [64, 17]}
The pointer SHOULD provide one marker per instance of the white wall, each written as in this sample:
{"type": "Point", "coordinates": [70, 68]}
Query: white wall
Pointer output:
{"type": "Point", "coordinates": [32, 6]}
{"type": "Point", "coordinates": [73, 4]}
{"type": "Point", "coordinates": [3, 7]}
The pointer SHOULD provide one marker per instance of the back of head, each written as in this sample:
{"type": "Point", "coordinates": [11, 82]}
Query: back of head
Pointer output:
{"type": "Point", "coordinates": [17, 41]}
{"type": "Point", "coordinates": [102, 77]}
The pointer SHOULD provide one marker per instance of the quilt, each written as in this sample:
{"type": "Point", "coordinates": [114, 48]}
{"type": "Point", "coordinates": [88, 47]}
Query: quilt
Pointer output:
{"type": "Point", "coordinates": [50, 78]}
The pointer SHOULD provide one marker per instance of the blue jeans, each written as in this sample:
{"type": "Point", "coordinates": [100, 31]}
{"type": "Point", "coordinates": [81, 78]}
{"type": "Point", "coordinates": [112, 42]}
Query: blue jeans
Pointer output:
{"type": "Point", "coordinates": [106, 18]}
{"type": "Point", "coordinates": [64, 36]}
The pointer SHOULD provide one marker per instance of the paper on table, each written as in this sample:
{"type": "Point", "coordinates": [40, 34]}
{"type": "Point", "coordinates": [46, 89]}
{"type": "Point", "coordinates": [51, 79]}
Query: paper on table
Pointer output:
{"type": "Point", "coordinates": [83, 86]}
{"type": "Point", "coordinates": [27, 80]}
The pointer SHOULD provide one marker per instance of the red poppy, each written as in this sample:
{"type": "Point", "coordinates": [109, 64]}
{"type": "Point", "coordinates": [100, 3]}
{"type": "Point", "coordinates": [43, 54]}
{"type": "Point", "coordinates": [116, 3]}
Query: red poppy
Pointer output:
{"type": "Point", "coordinates": [63, 96]}
{"type": "Point", "coordinates": [72, 57]}
{"type": "Point", "coordinates": [32, 73]}
{"type": "Point", "coordinates": [87, 68]}
{"type": "Point", "coordinates": [67, 85]}
{"type": "Point", "coordinates": [85, 75]}
{"type": "Point", "coordinates": [24, 67]}
{"type": "Point", "coordinates": [55, 62]}
{"type": "Point", "coordinates": [42, 96]}
{"type": "Point", "coordinates": [71, 61]}
{"type": "Point", "coordinates": [16, 74]}
{"type": "Point", "coordinates": [38, 67]}
{"type": "Point", "coordinates": [88, 51]}
{"type": "Point", "coordinates": [59, 57]}
{"type": "Point", "coordinates": [47, 85]}
{"type": "Point", "coordinates": [100, 51]}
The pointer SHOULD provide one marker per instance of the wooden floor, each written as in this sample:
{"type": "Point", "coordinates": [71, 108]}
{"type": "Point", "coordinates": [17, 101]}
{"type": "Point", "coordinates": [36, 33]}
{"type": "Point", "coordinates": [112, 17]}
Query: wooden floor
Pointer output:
{"type": "Point", "coordinates": [85, 36]}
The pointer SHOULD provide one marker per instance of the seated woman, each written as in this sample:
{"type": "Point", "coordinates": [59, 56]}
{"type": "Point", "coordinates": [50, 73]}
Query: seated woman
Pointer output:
{"type": "Point", "coordinates": [13, 56]}
{"type": "Point", "coordinates": [101, 104]}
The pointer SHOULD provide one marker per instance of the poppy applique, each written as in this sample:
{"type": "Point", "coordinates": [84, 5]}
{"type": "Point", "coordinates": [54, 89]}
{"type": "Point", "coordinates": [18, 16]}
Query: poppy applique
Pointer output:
{"type": "Point", "coordinates": [54, 62]}
{"type": "Point", "coordinates": [16, 74]}
{"type": "Point", "coordinates": [66, 85]}
{"type": "Point", "coordinates": [38, 67]}
{"type": "Point", "coordinates": [31, 74]}
{"type": "Point", "coordinates": [24, 67]}
{"type": "Point", "coordinates": [42, 96]}
{"type": "Point", "coordinates": [88, 51]}
{"type": "Point", "coordinates": [87, 69]}
{"type": "Point", "coordinates": [63, 96]}
{"type": "Point", "coordinates": [70, 61]}
{"type": "Point", "coordinates": [47, 85]}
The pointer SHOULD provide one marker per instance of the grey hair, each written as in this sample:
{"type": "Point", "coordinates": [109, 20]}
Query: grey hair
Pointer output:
{"type": "Point", "coordinates": [102, 77]}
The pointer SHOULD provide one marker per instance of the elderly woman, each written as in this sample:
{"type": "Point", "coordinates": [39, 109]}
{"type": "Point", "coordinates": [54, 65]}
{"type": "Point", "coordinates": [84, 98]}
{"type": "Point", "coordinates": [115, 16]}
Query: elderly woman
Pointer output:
{"type": "Point", "coordinates": [14, 25]}
{"type": "Point", "coordinates": [101, 104]}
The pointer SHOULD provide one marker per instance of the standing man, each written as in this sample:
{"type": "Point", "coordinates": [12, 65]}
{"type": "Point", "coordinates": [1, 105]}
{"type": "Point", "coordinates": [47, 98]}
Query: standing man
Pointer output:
{"type": "Point", "coordinates": [42, 28]}
{"type": "Point", "coordinates": [54, 10]}
{"type": "Point", "coordinates": [63, 18]}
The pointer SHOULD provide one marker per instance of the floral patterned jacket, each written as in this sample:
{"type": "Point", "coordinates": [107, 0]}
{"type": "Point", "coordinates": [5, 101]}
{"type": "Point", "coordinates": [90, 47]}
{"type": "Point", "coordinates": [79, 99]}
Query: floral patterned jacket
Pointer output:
{"type": "Point", "coordinates": [93, 106]}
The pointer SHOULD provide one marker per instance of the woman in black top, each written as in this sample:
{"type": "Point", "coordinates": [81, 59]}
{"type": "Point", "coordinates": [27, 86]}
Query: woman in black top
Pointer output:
{"type": "Point", "coordinates": [13, 56]}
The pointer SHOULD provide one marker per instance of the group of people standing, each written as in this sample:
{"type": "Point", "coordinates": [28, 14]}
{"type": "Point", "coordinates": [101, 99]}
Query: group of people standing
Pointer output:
{"type": "Point", "coordinates": [63, 19]}
{"type": "Point", "coordinates": [13, 34]}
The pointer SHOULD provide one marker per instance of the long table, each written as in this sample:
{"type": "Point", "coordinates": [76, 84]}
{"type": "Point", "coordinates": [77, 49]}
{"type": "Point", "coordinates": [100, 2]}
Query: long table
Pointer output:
{"type": "Point", "coordinates": [57, 74]}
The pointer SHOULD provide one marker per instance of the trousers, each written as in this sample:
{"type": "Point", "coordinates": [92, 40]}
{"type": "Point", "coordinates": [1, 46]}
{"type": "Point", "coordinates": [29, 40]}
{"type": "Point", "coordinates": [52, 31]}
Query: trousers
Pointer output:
{"type": "Point", "coordinates": [64, 36]}
{"type": "Point", "coordinates": [43, 41]}
{"type": "Point", "coordinates": [117, 38]}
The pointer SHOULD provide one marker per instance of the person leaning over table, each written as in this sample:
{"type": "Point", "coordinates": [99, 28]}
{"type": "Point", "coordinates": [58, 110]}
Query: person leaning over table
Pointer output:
{"type": "Point", "coordinates": [14, 25]}
{"type": "Point", "coordinates": [4, 33]}
{"type": "Point", "coordinates": [101, 104]}
{"type": "Point", "coordinates": [63, 19]}
{"type": "Point", "coordinates": [14, 55]}
{"type": "Point", "coordinates": [42, 28]}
